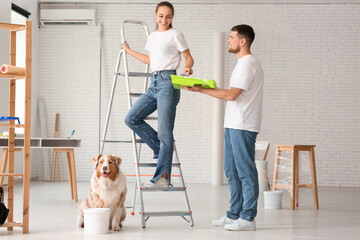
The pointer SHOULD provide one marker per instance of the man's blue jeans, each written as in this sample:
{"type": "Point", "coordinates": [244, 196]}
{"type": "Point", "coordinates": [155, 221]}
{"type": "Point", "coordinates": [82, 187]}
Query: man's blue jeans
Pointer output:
{"type": "Point", "coordinates": [162, 96]}
{"type": "Point", "coordinates": [240, 170]}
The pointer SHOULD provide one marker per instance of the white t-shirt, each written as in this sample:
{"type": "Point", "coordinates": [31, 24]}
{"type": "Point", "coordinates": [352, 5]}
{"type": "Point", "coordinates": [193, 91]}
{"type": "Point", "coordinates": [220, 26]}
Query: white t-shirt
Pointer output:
{"type": "Point", "coordinates": [245, 112]}
{"type": "Point", "coordinates": [165, 49]}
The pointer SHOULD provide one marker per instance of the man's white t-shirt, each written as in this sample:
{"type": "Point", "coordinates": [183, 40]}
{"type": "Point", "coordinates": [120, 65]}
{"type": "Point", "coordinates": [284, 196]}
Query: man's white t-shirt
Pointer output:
{"type": "Point", "coordinates": [165, 49]}
{"type": "Point", "coordinates": [245, 112]}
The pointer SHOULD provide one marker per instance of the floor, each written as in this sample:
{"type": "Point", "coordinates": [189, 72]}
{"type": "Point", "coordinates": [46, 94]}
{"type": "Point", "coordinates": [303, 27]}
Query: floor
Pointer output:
{"type": "Point", "coordinates": [53, 215]}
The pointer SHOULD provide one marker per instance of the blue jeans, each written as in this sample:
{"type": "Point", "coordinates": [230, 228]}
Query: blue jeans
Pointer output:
{"type": "Point", "coordinates": [162, 96]}
{"type": "Point", "coordinates": [240, 170]}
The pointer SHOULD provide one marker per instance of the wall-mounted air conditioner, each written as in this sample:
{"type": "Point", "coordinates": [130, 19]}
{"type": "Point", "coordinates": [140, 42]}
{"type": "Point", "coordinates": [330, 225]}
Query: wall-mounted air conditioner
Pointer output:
{"type": "Point", "coordinates": [67, 16]}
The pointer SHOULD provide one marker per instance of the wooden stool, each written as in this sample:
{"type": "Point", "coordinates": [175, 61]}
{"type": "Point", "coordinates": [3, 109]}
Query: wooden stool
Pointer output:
{"type": "Point", "coordinates": [295, 185]}
{"type": "Point", "coordinates": [70, 156]}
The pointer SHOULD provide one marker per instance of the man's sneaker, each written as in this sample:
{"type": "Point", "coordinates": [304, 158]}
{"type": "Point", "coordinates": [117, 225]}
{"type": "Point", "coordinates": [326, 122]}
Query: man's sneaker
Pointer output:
{"type": "Point", "coordinates": [160, 183]}
{"type": "Point", "coordinates": [241, 225]}
{"type": "Point", "coordinates": [222, 221]}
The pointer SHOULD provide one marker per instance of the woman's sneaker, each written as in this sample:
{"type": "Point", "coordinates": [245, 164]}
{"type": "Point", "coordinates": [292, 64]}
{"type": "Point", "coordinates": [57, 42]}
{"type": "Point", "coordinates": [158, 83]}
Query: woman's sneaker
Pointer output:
{"type": "Point", "coordinates": [160, 183]}
{"type": "Point", "coordinates": [241, 225]}
{"type": "Point", "coordinates": [222, 221]}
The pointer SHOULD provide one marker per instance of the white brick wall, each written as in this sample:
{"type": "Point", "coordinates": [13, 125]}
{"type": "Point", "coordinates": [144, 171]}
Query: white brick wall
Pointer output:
{"type": "Point", "coordinates": [309, 53]}
{"type": "Point", "coordinates": [69, 82]}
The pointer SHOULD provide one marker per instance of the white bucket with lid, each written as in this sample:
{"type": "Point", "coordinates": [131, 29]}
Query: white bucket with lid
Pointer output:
{"type": "Point", "coordinates": [96, 220]}
{"type": "Point", "coordinates": [273, 199]}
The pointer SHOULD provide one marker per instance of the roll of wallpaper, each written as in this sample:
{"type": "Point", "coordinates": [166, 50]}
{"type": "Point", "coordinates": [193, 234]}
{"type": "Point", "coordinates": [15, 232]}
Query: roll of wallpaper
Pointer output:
{"type": "Point", "coordinates": [9, 69]}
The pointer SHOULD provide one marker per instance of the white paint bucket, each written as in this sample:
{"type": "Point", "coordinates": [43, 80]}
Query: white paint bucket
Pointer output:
{"type": "Point", "coordinates": [272, 199]}
{"type": "Point", "coordinates": [96, 220]}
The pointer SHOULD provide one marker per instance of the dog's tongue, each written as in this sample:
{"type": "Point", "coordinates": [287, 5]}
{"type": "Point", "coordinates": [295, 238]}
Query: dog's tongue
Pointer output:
{"type": "Point", "coordinates": [105, 175]}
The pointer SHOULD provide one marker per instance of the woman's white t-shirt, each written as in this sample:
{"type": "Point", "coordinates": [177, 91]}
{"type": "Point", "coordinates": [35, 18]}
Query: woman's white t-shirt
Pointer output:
{"type": "Point", "coordinates": [165, 49]}
{"type": "Point", "coordinates": [245, 112]}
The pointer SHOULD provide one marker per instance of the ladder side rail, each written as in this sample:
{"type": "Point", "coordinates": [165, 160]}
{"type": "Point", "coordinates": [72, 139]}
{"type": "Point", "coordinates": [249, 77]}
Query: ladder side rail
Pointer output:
{"type": "Point", "coordinates": [127, 80]}
{"type": "Point", "coordinates": [127, 83]}
{"type": "Point", "coordinates": [138, 181]}
{"type": "Point", "coordinates": [111, 102]}
{"type": "Point", "coordinates": [147, 32]}
{"type": "Point", "coordinates": [135, 151]}
{"type": "Point", "coordinates": [183, 185]}
{"type": "Point", "coordinates": [178, 161]}
{"type": "Point", "coordinates": [146, 78]}
{"type": "Point", "coordinates": [136, 155]}
{"type": "Point", "coordinates": [139, 151]}
{"type": "Point", "coordinates": [133, 203]}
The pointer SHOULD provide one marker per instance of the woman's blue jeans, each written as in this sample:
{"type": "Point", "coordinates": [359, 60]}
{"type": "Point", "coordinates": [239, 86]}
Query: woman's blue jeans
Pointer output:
{"type": "Point", "coordinates": [240, 170]}
{"type": "Point", "coordinates": [160, 96]}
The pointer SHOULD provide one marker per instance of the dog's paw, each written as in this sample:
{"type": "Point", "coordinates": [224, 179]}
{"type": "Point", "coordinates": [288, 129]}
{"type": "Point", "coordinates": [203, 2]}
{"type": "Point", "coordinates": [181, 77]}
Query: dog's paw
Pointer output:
{"type": "Point", "coordinates": [116, 227]}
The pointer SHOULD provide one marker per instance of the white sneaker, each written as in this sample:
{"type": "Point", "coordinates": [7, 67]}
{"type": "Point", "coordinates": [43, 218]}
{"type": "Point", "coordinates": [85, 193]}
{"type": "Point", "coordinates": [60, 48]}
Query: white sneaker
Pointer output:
{"type": "Point", "coordinates": [241, 225]}
{"type": "Point", "coordinates": [160, 183]}
{"type": "Point", "coordinates": [222, 221]}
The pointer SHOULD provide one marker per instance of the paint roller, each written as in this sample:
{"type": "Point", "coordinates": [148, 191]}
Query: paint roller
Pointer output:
{"type": "Point", "coordinates": [9, 69]}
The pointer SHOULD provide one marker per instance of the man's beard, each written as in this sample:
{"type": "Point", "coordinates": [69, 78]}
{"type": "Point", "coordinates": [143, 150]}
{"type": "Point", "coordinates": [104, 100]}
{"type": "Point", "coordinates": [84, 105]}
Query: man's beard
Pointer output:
{"type": "Point", "coordinates": [234, 50]}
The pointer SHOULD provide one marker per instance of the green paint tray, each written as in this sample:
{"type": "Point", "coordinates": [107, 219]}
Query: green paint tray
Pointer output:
{"type": "Point", "coordinates": [179, 81]}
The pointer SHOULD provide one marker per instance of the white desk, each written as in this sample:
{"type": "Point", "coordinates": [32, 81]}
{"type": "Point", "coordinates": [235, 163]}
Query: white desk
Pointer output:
{"type": "Point", "coordinates": [66, 145]}
{"type": "Point", "coordinates": [44, 142]}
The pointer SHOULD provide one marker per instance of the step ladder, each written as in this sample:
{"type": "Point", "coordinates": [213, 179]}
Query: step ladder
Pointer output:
{"type": "Point", "coordinates": [137, 143]}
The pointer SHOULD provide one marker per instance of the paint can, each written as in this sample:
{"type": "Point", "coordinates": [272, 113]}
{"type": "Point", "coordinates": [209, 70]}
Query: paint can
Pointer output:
{"type": "Point", "coordinates": [273, 199]}
{"type": "Point", "coordinates": [96, 220]}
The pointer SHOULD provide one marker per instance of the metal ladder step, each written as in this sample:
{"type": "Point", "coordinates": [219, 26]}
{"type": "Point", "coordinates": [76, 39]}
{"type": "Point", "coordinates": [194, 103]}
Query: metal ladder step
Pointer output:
{"type": "Point", "coordinates": [117, 141]}
{"type": "Point", "coordinates": [167, 213]}
{"type": "Point", "coordinates": [135, 94]}
{"type": "Point", "coordinates": [136, 74]}
{"type": "Point", "coordinates": [169, 189]}
{"type": "Point", "coordinates": [154, 164]}
{"type": "Point", "coordinates": [124, 141]}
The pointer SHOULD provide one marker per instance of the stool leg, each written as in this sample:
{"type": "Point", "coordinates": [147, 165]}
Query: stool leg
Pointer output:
{"type": "Point", "coordinates": [276, 163]}
{"type": "Point", "coordinates": [73, 173]}
{"type": "Point", "coordinates": [293, 188]}
{"type": "Point", "coordinates": [3, 164]}
{"type": "Point", "coordinates": [296, 175]}
{"type": "Point", "coordinates": [314, 181]}
{"type": "Point", "coordinates": [69, 172]}
{"type": "Point", "coordinates": [53, 166]}
{"type": "Point", "coordinates": [58, 165]}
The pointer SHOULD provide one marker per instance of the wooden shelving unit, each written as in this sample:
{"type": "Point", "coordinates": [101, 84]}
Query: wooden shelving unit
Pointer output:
{"type": "Point", "coordinates": [13, 28]}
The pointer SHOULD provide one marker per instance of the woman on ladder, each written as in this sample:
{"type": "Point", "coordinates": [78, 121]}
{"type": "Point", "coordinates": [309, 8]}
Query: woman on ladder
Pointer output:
{"type": "Point", "coordinates": [165, 47]}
